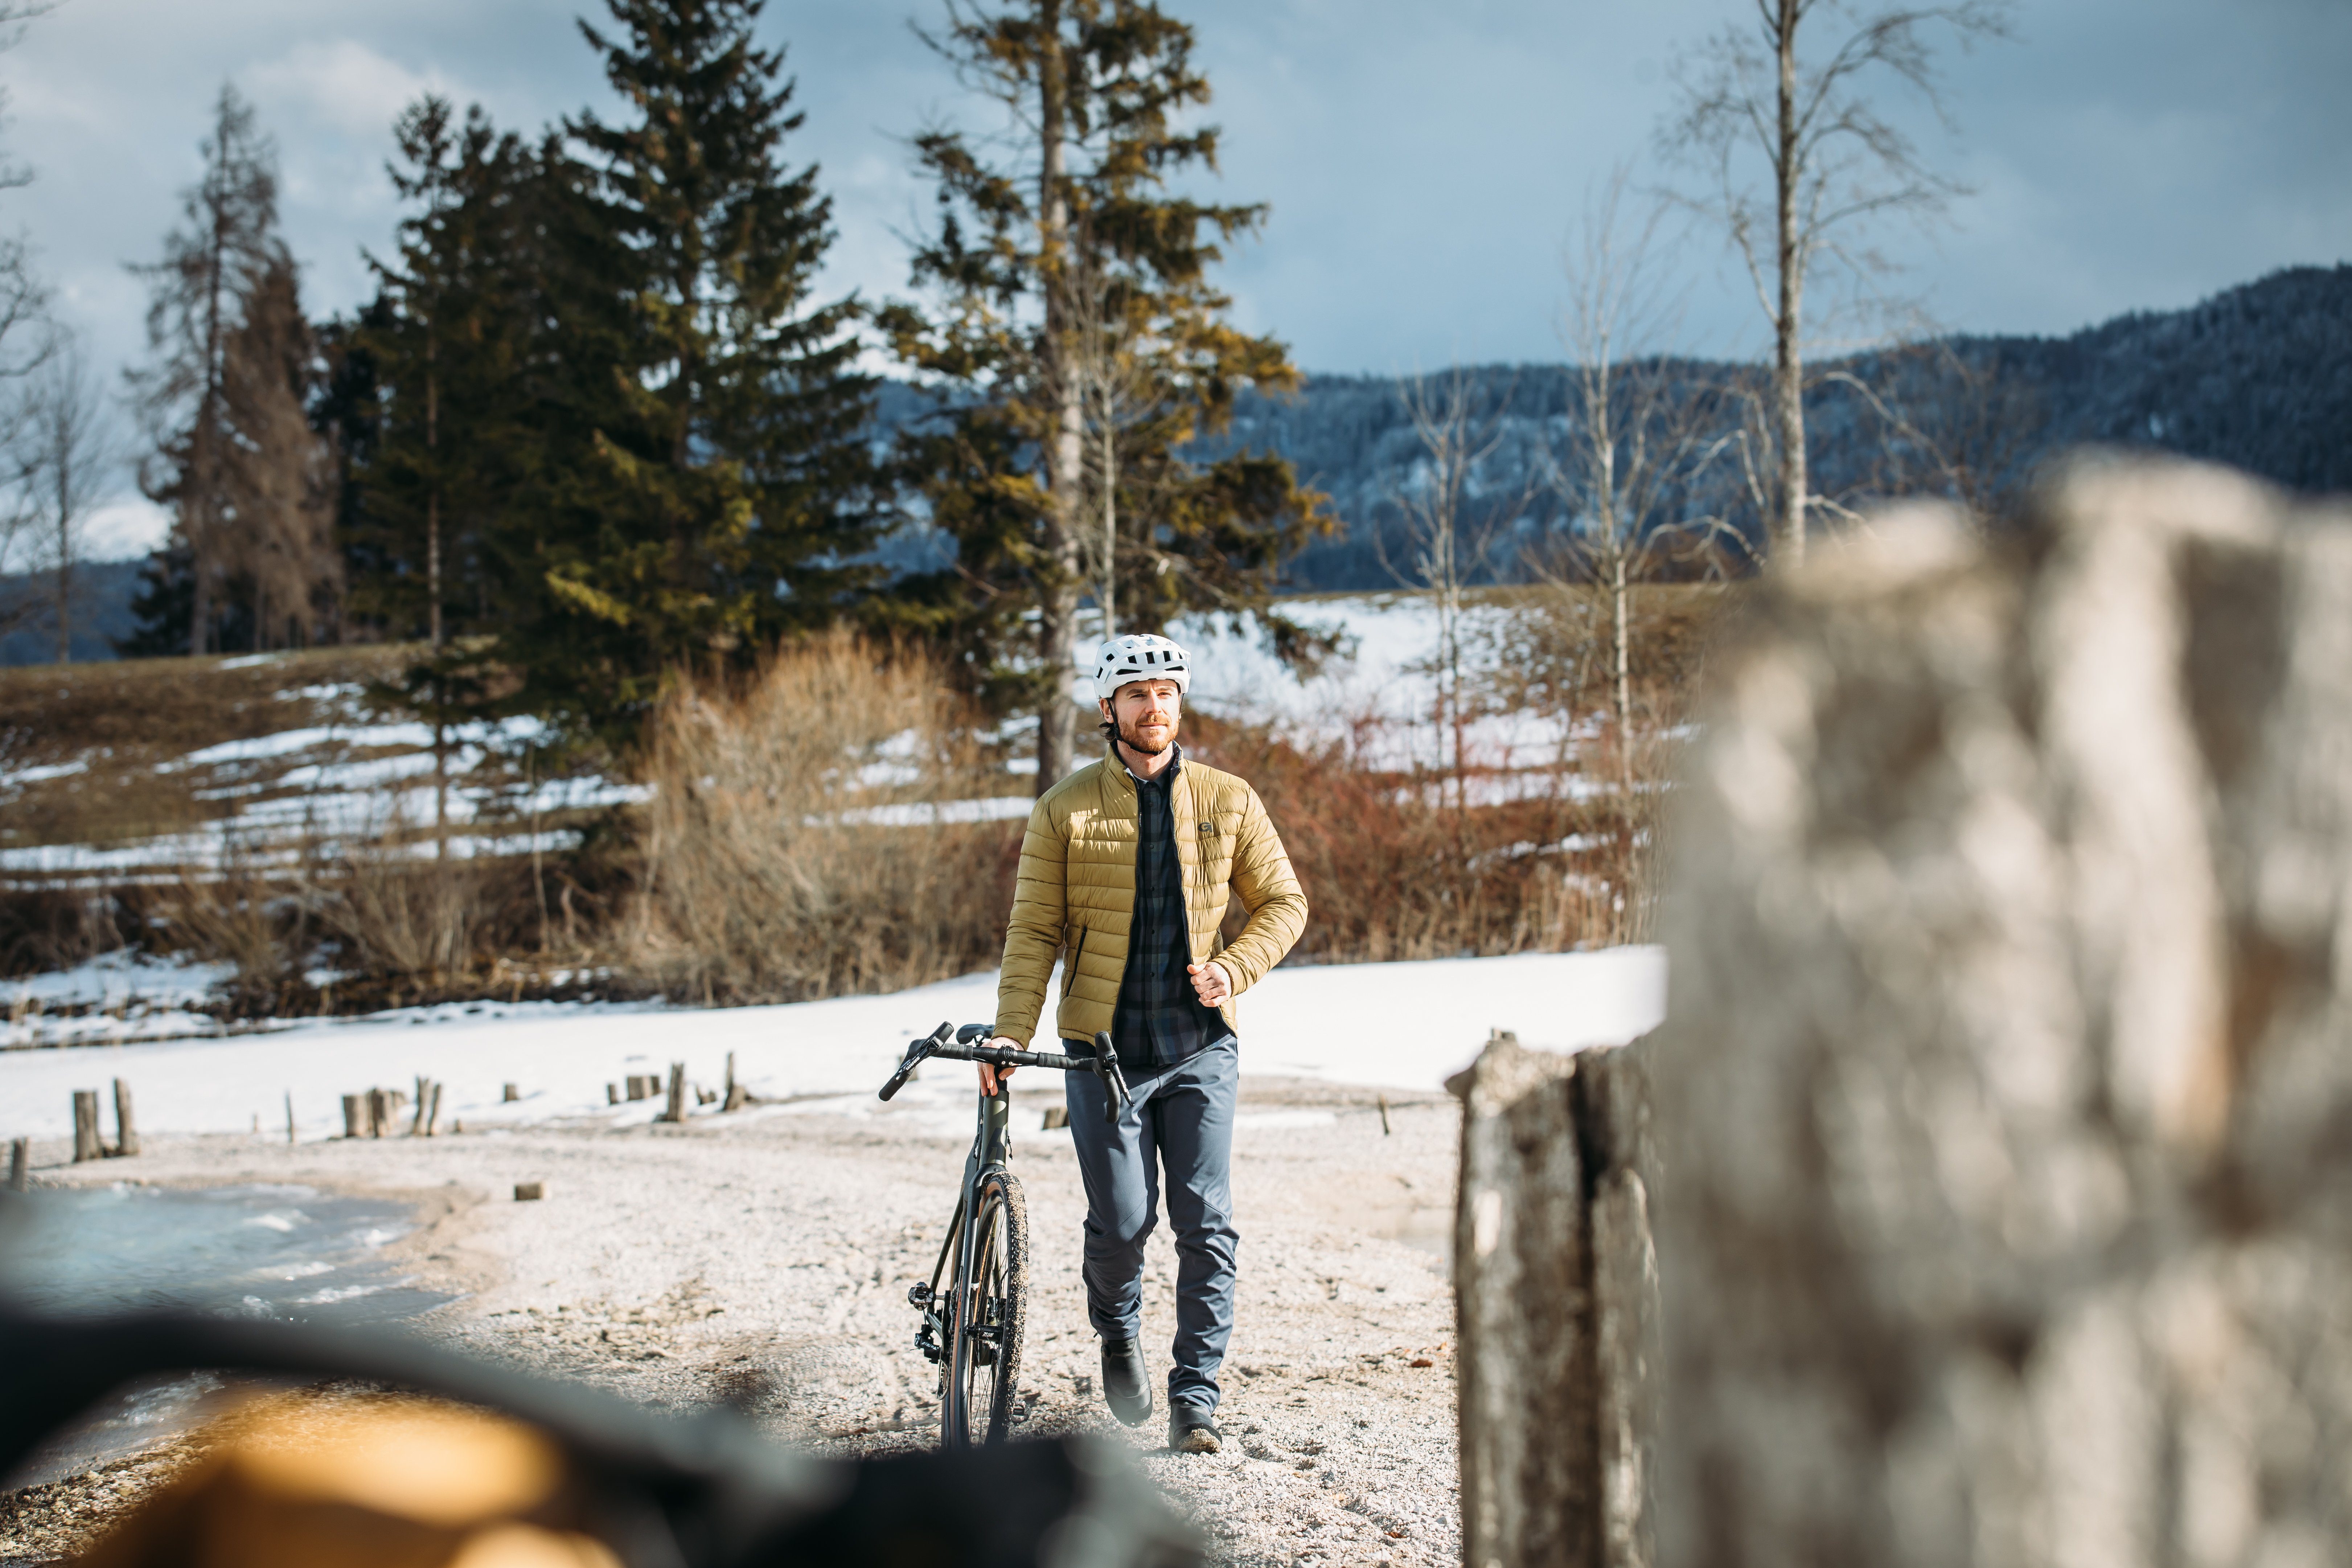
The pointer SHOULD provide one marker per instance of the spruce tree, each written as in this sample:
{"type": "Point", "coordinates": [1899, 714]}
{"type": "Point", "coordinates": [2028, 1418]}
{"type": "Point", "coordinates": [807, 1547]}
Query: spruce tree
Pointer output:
{"type": "Point", "coordinates": [449, 416]}
{"type": "Point", "coordinates": [1079, 344]}
{"type": "Point", "coordinates": [702, 481]}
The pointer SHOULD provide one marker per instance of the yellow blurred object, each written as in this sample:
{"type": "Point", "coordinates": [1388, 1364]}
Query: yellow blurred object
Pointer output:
{"type": "Point", "coordinates": [378, 1483]}
{"type": "Point", "coordinates": [527, 1546]}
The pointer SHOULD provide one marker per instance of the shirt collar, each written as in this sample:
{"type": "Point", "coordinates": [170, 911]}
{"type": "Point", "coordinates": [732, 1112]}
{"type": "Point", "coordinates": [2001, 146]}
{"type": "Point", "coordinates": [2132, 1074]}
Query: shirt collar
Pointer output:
{"type": "Point", "coordinates": [1167, 774]}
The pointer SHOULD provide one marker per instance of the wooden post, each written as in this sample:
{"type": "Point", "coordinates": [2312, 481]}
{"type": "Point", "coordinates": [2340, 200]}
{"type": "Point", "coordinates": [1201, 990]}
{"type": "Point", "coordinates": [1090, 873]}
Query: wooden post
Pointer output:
{"type": "Point", "coordinates": [20, 1164]}
{"type": "Point", "coordinates": [423, 1095]}
{"type": "Point", "coordinates": [126, 1129]}
{"type": "Point", "coordinates": [352, 1123]}
{"type": "Point", "coordinates": [289, 1115]}
{"type": "Point", "coordinates": [726, 1096]}
{"type": "Point", "coordinates": [86, 1143]}
{"type": "Point", "coordinates": [432, 1117]}
{"type": "Point", "coordinates": [379, 1113]}
{"type": "Point", "coordinates": [676, 1111]}
{"type": "Point", "coordinates": [510, 1094]}
{"type": "Point", "coordinates": [612, 1094]}
{"type": "Point", "coordinates": [1385, 1129]}
{"type": "Point", "coordinates": [1556, 1300]}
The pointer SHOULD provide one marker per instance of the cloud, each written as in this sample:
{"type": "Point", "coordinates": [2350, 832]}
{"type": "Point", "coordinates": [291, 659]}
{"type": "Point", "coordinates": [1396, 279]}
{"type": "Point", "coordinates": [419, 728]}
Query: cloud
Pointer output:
{"type": "Point", "coordinates": [1422, 163]}
{"type": "Point", "coordinates": [341, 83]}
{"type": "Point", "coordinates": [123, 529]}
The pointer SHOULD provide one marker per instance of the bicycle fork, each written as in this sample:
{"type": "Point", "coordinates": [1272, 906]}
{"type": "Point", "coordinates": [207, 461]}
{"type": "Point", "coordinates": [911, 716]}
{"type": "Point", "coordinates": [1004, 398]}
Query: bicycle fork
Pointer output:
{"type": "Point", "coordinates": [991, 1149]}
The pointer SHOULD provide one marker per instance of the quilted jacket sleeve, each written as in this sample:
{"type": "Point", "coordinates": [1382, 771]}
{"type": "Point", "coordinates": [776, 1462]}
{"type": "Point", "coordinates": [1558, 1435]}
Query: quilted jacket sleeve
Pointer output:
{"type": "Point", "coordinates": [1269, 891]}
{"type": "Point", "coordinates": [1033, 936]}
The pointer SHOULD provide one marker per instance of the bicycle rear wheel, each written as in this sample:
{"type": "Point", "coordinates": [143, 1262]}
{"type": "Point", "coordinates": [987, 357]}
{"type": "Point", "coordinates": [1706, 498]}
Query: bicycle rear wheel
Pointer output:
{"type": "Point", "coordinates": [985, 1313]}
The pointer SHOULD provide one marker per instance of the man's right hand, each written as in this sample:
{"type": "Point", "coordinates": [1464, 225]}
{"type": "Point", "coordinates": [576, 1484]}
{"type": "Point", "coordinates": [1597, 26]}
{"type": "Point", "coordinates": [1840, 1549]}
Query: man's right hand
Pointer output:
{"type": "Point", "coordinates": [990, 1077]}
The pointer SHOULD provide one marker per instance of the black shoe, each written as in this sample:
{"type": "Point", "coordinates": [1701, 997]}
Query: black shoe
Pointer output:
{"type": "Point", "coordinates": [1190, 1430]}
{"type": "Point", "coordinates": [1125, 1387]}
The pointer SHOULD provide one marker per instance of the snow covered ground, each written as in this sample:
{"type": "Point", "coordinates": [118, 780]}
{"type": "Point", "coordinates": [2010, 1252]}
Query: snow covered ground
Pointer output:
{"type": "Point", "coordinates": [1404, 1025]}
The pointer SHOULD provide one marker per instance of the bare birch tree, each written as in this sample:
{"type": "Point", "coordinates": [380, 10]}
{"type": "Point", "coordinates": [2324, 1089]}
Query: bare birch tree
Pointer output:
{"type": "Point", "coordinates": [1450, 529]}
{"type": "Point", "coordinates": [67, 455]}
{"type": "Point", "coordinates": [1831, 163]}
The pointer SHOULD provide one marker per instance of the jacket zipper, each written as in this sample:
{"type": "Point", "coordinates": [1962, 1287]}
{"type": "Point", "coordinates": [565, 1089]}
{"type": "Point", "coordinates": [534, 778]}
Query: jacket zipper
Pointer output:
{"type": "Point", "coordinates": [1070, 975]}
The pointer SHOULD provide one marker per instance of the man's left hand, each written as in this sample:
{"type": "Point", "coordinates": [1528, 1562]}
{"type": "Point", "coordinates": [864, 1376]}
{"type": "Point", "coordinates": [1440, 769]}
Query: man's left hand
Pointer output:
{"type": "Point", "coordinates": [1211, 982]}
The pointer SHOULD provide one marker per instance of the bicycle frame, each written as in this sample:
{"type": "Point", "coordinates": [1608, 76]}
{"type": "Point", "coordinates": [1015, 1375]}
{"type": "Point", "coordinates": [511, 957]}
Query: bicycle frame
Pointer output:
{"type": "Point", "coordinates": [990, 1147]}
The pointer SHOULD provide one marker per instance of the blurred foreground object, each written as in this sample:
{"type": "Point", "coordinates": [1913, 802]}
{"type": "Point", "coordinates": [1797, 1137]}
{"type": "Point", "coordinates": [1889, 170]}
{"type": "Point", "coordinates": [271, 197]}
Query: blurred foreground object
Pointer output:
{"type": "Point", "coordinates": [2005, 1098]}
{"type": "Point", "coordinates": [524, 1472]}
{"type": "Point", "coordinates": [394, 1483]}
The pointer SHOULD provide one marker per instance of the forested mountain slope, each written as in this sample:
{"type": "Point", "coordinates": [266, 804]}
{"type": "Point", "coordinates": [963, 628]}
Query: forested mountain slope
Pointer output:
{"type": "Point", "coordinates": [2259, 377]}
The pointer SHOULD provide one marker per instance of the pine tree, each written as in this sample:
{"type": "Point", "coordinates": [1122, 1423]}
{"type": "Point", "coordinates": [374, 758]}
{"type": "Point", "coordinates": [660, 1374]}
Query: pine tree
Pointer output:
{"type": "Point", "coordinates": [1079, 345]}
{"type": "Point", "coordinates": [212, 266]}
{"type": "Point", "coordinates": [703, 479]}
{"type": "Point", "coordinates": [276, 493]}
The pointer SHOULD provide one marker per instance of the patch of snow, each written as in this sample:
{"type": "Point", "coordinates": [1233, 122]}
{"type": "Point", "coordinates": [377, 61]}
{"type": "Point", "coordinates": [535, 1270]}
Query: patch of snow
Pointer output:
{"type": "Point", "coordinates": [912, 813]}
{"type": "Point", "coordinates": [118, 978]}
{"type": "Point", "coordinates": [1394, 1026]}
{"type": "Point", "coordinates": [46, 771]}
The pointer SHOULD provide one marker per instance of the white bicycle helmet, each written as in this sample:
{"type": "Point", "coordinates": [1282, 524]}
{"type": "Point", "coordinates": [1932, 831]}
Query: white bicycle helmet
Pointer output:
{"type": "Point", "coordinates": [1140, 658]}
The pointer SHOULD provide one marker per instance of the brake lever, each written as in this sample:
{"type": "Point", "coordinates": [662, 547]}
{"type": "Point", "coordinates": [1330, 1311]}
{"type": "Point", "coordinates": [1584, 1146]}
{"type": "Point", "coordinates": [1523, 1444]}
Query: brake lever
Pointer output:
{"type": "Point", "coordinates": [1116, 1098]}
{"type": "Point", "coordinates": [917, 1050]}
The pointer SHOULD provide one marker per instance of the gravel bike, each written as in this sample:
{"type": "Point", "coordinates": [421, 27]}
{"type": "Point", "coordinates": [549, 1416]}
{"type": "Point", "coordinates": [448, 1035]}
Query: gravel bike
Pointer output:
{"type": "Point", "coordinates": [972, 1330]}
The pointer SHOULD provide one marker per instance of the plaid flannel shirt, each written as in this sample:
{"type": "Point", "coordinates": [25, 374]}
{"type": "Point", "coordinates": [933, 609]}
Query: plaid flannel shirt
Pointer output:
{"type": "Point", "coordinates": [1161, 1019]}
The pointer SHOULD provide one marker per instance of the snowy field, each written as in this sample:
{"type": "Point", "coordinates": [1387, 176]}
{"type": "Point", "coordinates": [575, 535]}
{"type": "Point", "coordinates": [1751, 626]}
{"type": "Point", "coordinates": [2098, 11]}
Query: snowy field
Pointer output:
{"type": "Point", "coordinates": [1402, 1026]}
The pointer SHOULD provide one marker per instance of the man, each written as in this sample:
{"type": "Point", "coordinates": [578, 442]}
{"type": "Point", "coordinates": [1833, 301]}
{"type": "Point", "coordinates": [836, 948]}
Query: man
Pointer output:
{"type": "Point", "coordinates": [1124, 871]}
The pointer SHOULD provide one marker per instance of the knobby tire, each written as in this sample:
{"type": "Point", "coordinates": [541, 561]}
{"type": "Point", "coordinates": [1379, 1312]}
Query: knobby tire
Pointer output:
{"type": "Point", "coordinates": [980, 1389]}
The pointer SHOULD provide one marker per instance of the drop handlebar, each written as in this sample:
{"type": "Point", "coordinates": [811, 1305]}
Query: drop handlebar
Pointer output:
{"type": "Point", "coordinates": [950, 1044]}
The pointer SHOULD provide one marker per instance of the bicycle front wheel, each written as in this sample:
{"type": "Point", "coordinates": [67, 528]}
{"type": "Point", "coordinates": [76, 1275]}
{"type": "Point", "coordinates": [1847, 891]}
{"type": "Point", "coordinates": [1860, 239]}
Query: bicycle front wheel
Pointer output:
{"type": "Point", "coordinates": [985, 1311]}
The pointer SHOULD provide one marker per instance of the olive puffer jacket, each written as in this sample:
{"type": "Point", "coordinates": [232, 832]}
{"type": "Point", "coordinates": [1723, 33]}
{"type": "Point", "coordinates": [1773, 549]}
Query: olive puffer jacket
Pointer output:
{"type": "Point", "coordinates": [1076, 893]}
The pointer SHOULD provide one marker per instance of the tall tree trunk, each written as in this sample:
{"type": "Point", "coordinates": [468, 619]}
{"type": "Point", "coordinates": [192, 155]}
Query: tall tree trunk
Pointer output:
{"type": "Point", "coordinates": [1110, 532]}
{"type": "Point", "coordinates": [63, 457]}
{"type": "Point", "coordinates": [1788, 366]}
{"type": "Point", "coordinates": [1058, 620]}
{"type": "Point", "coordinates": [433, 494]}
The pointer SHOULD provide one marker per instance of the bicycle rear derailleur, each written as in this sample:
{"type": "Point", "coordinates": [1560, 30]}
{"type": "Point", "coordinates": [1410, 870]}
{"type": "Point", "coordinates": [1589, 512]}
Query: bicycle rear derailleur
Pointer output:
{"type": "Point", "coordinates": [928, 1336]}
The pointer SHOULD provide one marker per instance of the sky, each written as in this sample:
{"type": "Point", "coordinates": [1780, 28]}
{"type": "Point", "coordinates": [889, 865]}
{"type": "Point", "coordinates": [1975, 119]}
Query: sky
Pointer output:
{"type": "Point", "coordinates": [1424, 166]}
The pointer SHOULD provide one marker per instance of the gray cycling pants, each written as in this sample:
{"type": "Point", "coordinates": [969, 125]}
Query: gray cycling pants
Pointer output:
{"type": "Point", "coordinates": [1181, 1122]}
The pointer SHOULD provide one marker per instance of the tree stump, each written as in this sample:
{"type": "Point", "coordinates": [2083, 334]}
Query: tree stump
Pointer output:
{"type": "Point", "coordinates": [2007, 1202]}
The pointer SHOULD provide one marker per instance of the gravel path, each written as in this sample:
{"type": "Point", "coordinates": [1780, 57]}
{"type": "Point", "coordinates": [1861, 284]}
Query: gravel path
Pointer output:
{"type": "Point", "coordinates": [764, 1259]}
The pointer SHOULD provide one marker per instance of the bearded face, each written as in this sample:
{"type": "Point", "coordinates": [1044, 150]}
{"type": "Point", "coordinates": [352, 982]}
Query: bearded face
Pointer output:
{"type": "Point", "coordinates": [1146, 713]}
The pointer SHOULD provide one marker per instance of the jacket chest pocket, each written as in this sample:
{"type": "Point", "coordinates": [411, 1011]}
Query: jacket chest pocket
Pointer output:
{"type": "Point", "coordinates": [1216, 849]}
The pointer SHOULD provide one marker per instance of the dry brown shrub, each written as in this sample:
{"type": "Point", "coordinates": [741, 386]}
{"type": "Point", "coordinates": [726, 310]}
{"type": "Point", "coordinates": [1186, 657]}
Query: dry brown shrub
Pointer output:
{"type": "Point", "coordinates": [397, 912]}
{"type": "Point", "coordinates": [1392, 870]}
{"type": "Point", "coordinates": [794, 847]}
{"type": "Point", "coordinates": [1403, 865]}
{"type": "Point", "coordinates": [239, 915]}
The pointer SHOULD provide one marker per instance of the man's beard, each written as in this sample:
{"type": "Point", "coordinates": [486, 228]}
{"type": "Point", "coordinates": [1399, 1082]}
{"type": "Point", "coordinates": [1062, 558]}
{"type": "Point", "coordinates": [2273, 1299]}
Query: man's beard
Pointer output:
{"type": "Point", "coordinates": [1132, 741]}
